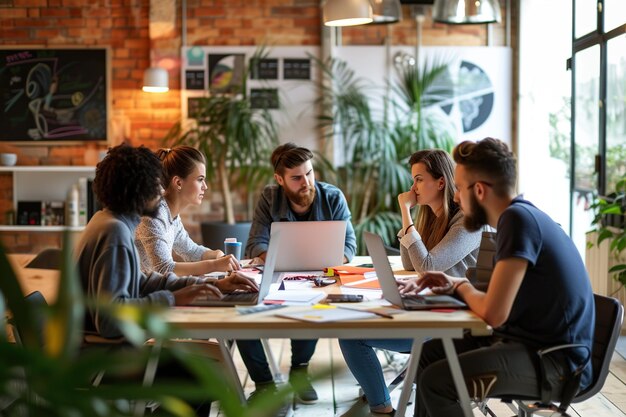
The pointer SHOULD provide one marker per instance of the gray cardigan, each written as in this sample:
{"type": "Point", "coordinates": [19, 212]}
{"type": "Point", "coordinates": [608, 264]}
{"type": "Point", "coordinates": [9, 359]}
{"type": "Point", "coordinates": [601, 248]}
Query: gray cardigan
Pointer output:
{"type": "Point", "coordinates": [109, 269]}
{"type": "Point", "coordinates": [456, 252]}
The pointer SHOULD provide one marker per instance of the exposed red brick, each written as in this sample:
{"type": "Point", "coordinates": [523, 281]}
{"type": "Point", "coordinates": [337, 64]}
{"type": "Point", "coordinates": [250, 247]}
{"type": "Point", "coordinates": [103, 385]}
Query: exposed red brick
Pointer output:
{"type": "Point", "coordinates": [54, 12]}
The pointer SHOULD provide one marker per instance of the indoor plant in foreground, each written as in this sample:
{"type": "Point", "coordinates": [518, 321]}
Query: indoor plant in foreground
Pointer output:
{"type": "Point", "coordinates": [48, 375]}
{"type": "Point", "coordinates": [610, 224]}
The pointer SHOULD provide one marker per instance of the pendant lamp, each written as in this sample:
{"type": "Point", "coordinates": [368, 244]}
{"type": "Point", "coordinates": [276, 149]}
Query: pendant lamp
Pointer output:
{"type": "Point", "coordinates": [347, 12]}
{"type": "Point", "coordinates": [386, 11]}
{"type": "Point", "coordinates": [461, 12]}
{"type": "Point", "coordinates": [155, 80]}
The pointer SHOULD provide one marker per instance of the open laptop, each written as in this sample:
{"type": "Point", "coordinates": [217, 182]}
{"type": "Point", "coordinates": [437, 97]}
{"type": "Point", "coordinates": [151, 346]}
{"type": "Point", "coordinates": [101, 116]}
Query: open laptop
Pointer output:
{"type": "Point", "coordinates": [391, 292]}
{"type": "Point", "coordinates": [309, 245]}
{"type": "Point", "coordinates": [237, 299]}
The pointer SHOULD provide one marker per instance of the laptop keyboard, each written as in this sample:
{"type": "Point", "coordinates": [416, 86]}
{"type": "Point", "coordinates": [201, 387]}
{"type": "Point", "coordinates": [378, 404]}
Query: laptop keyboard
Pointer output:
{"type": "Point", "coordinates": [240, 296]}
{"type": "Point", "coordinates": [418, 301]}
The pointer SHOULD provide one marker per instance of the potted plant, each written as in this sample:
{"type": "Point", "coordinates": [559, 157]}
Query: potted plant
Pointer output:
{"type": "Point", "coordinates": [610, 224]}
{"type": "Point", "coordinates": [375, 146]}
{"type": "Point", "coordinates": [236, 139]}
{"type": "Point", "coordinates": [47, 374]}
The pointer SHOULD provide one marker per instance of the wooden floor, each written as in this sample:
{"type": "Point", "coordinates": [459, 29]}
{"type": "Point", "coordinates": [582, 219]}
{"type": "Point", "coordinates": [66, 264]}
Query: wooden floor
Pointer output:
{"type": "Point", "coordinates": [339, 392]}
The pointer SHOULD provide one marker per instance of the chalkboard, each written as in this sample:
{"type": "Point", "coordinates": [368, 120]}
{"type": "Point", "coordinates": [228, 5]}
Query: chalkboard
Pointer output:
{"type": "Point", "coordinates": [297, 69]}
{"type": "Point", "coordinates": [53, 94]}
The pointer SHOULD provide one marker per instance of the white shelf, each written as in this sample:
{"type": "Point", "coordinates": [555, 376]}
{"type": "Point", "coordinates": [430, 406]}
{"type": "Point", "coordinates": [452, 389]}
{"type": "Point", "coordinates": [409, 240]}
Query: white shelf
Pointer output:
{"type": "Point", "coordinates": [18, 228]}
{"type": "Point", "coordinates": [50, 168]}
{"type": "Point", "coordinates": [43, 183]}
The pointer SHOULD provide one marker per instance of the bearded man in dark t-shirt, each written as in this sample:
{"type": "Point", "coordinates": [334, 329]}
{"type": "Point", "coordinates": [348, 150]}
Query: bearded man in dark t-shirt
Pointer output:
{"type": "Point", "coordinates": [539, 294]}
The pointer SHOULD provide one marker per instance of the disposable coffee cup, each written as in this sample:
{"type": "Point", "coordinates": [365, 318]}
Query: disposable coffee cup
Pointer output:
{"type": "Point", "coordinates": [233, 248]}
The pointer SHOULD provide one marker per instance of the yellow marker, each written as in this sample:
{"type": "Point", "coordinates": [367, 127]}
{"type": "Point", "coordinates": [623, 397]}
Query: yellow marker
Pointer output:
{"type": "Point", "coordinates": [322, 306]}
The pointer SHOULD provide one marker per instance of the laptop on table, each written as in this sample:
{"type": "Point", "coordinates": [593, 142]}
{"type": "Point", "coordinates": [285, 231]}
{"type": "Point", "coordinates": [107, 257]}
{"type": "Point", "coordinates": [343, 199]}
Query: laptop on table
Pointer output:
{"type": "Point", "coordinates": [391, 292]}
{"type": "Point", "coordinates": [245, 298]}
{"type": "Point", "coordinates": [309, 245]}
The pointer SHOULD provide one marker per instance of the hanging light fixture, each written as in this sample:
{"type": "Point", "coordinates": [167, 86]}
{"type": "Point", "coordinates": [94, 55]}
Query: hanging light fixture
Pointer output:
{"type": "Point", "coordinates": [460, 12]}
{"type": "Point", "coordinates": [155, 80]}
{"type": "Point", "coordinates": [386, 11]}
{"type": "Point", "coordinates": [347, 12]}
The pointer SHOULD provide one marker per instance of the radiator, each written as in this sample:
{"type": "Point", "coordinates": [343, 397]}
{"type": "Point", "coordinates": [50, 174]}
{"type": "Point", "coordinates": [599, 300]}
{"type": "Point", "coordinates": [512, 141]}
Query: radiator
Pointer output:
{"type": "Point", "coordinates": [598, 260]}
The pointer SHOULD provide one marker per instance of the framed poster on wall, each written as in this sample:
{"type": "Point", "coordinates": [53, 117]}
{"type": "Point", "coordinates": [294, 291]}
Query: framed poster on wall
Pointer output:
{"type": "Point", "coordinates": [54, 94]}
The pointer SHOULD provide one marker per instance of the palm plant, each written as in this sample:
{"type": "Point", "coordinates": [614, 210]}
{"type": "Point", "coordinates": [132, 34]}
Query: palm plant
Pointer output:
{"type": "Point", "coordinates": [236, 139]}
{"type": "Point", "coordinates": [375, 147]}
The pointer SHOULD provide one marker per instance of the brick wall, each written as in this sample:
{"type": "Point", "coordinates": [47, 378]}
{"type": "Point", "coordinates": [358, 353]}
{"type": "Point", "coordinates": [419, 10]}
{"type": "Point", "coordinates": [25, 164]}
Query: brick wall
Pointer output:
{"type": "Point", "coordinates": [124, 27]}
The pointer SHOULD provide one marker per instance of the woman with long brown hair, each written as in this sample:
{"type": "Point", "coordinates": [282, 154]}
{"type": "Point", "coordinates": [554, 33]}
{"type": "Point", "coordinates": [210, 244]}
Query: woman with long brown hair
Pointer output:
{"type": "Point", "coordinates": [437, 240]}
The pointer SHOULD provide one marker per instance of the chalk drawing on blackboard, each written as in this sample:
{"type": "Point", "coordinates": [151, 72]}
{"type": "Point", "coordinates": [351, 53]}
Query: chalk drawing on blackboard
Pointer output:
{"type": "Point", "coordinates": [53, 95]}
{"type": "Point", "coordinates": [226, 72]}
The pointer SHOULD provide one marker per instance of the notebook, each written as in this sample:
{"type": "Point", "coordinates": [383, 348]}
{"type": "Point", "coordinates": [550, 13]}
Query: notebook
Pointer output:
{"type": "Point", "coordinates": [230, 300]}
{"type": "Point", "coordinates": [391, 292]}
{"type": "Point", "coordinates": [309, 246]}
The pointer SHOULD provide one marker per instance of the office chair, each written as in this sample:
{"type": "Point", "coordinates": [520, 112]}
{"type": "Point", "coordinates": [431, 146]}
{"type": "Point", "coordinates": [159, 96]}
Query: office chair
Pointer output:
{"type": "Point", "coordinates": [609, 317]}
{"type": "Point", "coordinates": [49, 258]}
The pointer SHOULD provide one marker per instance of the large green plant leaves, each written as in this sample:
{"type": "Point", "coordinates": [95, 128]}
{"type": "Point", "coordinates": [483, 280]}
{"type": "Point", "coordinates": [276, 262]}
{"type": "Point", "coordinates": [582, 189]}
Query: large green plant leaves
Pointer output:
{"type": "Point", "coordinates": [374, 143]}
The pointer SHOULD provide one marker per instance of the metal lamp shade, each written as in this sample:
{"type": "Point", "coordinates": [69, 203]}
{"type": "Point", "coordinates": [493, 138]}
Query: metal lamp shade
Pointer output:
{"type": "Point", "coordinates": [460, 12]}
{"type": "Point", "coordinates": [386, 11]}
{"type": "Point", "coordinates": [347, 12]}
{"type": "Point", "coordinates": [155, 80]}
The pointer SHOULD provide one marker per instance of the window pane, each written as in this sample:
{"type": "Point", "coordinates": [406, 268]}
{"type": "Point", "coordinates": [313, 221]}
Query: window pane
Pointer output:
{"type": "Point", "coordinates": [545, 106]}
{"type": "Point", "coordinates": [615, 111]}
{"type": "Point", "coordinates": [586, 17]}
{"type": "Point", "coordinates": [614, 14]}
{"type": "Point", "coordinates": [587, 83]}
{"type": "Point", "coordinates": [581, 218]}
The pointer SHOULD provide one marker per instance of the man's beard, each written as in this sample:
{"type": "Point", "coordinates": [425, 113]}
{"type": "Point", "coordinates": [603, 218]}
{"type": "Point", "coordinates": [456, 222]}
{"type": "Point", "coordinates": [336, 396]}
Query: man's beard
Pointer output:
{"type": "Point", "coordinates": [302, 200]}
{"type": "Point", "coordinates": [476, 218]}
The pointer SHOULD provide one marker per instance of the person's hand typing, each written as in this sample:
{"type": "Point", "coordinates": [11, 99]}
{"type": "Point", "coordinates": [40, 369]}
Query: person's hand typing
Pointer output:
{"type": "Point", "coordinates": [408, 286]}
{"type": "Point", "coordinates": [237, 281]}
{"type": "Point", "coordinates": [439, 283]}
{"type": "Point", "coordinates": [186, 295]}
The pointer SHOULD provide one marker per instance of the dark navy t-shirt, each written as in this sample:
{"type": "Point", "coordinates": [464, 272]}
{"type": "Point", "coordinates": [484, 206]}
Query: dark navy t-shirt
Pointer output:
{"type": "Point", "coordinates": [554, 304]}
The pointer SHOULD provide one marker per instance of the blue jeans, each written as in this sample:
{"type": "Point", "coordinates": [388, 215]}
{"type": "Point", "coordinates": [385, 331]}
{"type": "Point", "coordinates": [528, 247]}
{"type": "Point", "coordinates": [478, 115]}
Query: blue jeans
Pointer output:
{"type": "Point", "coordinates": [256, 362]}
{"type": "Point", "coordinates": [365, 366]}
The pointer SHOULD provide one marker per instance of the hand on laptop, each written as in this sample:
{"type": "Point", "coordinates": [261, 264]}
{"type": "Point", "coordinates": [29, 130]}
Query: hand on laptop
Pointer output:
{"type": "Point", "coordinates": [408, 286]}
{"type": "Point", "coordinates": [438, 282]}
{"type": "Point", "coordinates": [187, 294]}
{"type": "Point", "coordinates": [237, 281]}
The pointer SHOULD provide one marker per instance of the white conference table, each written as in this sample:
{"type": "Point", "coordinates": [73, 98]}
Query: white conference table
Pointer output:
{"type": "Point", "coordinates": [224, 324]}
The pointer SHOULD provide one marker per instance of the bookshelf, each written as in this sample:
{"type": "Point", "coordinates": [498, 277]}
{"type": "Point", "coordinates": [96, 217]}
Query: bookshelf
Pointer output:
{"type": "Point", "coordinates": [43, 183]}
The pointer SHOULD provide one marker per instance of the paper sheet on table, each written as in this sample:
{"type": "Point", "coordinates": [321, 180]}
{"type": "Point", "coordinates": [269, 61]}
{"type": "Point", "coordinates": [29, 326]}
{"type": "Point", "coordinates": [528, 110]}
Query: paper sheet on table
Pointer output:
{"type": "Point", "coordinates": [362, 283]}
{"type": "Point", "coordinates": [326, 314]}
{"type": "Point", "coordinates": [302, 297]}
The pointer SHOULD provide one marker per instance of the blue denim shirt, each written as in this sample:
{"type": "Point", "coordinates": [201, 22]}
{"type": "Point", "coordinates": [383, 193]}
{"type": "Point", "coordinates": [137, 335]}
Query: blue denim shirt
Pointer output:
{"type": "Point", "coordinates": [329, 204]}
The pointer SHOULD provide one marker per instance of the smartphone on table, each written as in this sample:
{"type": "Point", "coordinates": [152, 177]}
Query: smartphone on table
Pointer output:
{"type": "Point", "coordinates": [344, 298]}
